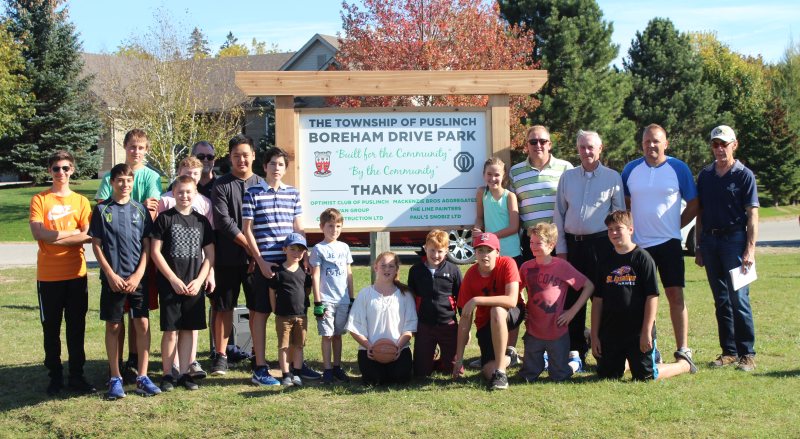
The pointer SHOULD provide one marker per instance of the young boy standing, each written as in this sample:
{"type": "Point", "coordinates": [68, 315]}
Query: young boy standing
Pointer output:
{"type": "Point", "coordinates": [59, 220]}
{"type": "Point", "coordinates": [547, 280]}
{"type": "Point", "coordinates": [624, 311]}
{"type": "Point", "coordinates": [119, 229]}
{"type": "Point", "coordinates": [332, 283]}
{"type": "Point", "coordinates": [287, 297]}
{"type": "Point", "coordinates": [180, 238]}
{"type": "Point", "coordinates": [435, 284]}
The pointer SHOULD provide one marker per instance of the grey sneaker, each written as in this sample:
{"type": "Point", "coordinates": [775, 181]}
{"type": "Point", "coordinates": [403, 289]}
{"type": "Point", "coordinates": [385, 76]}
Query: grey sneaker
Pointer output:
{"type": "Point", "coordinates": [287, 381]}
{"type": "Point", "coordinates": [296, 381]}
{"type": "Point", "coordinates": [686, 355]}
{"type": "Point", "coordinates": [513, 356]}
{"type": "Point", "coordinates": [475, 364]}
{"type": "Point", "coordinates": [196, 371]}
{"type": "Point", "coordinates": [747, 363]}
{"type": "Point", "coordinates": [499, 381]}
{"type": "Point", "coordinates": [187, 382]}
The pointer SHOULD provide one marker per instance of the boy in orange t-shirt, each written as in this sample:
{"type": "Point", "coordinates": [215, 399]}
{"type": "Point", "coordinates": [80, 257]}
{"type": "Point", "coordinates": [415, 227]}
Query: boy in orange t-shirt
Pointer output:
{"type": "Point", "coordinates": [59, 220]}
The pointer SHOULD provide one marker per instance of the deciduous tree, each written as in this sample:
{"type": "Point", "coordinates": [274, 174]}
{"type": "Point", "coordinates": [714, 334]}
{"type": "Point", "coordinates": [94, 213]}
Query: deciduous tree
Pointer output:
{"type": "Point", "coordinates": [15, 99]}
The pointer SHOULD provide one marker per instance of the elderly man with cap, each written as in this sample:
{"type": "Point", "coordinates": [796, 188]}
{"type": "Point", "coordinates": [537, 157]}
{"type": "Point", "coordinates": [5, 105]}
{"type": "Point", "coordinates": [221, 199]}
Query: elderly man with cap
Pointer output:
{"type": "Point", "coordinates": [726, 232]}
{"type": "Point", "coordinates": [586, 196]}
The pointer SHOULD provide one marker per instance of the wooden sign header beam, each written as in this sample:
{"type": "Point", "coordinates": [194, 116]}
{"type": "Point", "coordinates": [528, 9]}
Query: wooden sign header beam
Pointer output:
{"type": "Point", "coordinates": [391, 83]}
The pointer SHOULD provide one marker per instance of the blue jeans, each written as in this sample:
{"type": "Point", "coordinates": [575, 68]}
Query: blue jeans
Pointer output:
{"type": "Point", "coordinates": [734, 315]}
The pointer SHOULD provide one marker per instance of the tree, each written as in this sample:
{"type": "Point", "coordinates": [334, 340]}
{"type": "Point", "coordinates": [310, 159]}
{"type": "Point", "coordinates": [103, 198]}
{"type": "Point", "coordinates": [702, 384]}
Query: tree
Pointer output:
{"type": "Point", "coordinates": [786, 81]}
{"type": "Point", "coordinates": [573, 43]}
{"type": "Point", "coordinates": [64, 116]}
{"type": "Point", "coordinates": [261, 48]}
{"type": "Point", "coordinates": [668, 89]}
{"type": "Point", "coordinates": [432, 35]}
{"type": "Point", "coordinates": [15, 99]}
{"type": "Point", "coordinates": [232, 47]}
{"type": "Point", "coordinates": [198, 45]}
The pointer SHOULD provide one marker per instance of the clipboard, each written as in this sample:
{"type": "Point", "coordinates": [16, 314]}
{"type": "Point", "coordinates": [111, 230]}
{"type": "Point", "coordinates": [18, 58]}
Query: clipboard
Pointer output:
{"type": "Point", "coordinates": [739, 279]}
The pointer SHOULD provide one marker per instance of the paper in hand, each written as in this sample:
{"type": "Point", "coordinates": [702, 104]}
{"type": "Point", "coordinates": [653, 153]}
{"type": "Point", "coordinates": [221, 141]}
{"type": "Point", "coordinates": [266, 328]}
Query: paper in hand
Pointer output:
{"type": "Point", "coordinates": [741, 279]}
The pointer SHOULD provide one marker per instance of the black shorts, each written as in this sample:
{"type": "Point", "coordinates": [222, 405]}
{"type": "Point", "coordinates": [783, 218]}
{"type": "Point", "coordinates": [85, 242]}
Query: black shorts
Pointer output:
{"type": "Point", "coordinates": [180, 312]}
{"type": "Point", "coordinates": [515, 317]}
{"type": "Point", "coordinates": [257, 295]}
{"type": "Point", "coordinates": [615, 351]}
{"type": "Point", "coordinates": [230, 280]}
{"type": "Point", "coordinates": [113, 305]}
{"type": "Point", "coordinates": [668, 257]}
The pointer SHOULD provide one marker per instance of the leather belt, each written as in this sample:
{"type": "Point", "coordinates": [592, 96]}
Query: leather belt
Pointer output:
{"type": "Point", "coordinates": [726, 230]}
{"type": "Point", "coordinates": [579, 238]}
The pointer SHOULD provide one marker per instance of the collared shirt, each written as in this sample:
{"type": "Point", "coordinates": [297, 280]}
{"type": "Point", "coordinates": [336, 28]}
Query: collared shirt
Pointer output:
{"type": "Point", "coordinates": [583, 201]}
{"type": "Point", "coordinates": [273, 213]}
{"type": "Point", "coordinates": [536, 190]}
{"type": "Point", "coordinates": [725, 199]}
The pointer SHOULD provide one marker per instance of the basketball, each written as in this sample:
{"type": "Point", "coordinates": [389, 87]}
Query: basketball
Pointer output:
{"type": "Point", "coordinates": [384, 351]}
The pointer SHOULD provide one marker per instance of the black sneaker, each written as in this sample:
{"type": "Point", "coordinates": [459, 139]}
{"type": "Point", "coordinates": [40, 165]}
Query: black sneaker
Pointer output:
{"type": "Point", "coordinates": [167, 383]}
{"type": "Point", "coordinates": [130, 372]}
{"type": "Point", "coordinates": [187, 382]}
{"type": "Point", "coordinates": [55, 386]}
{"type": "Point", "coordinates": [80, 385]}
{"type": "Point", "coordinates": [220, 365]}
{"type": "Point", "coordinates": [499, 381]}
{"type": "Point", "coordinates": [340, 374]}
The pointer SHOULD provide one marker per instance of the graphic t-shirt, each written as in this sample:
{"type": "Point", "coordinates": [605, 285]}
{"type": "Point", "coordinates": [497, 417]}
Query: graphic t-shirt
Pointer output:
{"type": "Point", "coordinates": [332, 259]}
{"type": "Point", "coordinates": [59, 262]}
{"type": "Point", "coordinates": [184, 237]}
{"type": "Point", "coordinates": [547, 290]}
{"type": "Point", "coordinates": [121, 228]}
{"type": "Point", "coordinates": [475, 285]}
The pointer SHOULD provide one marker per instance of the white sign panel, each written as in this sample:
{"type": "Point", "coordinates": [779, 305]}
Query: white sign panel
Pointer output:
{"type": "Point", "coordinates": [392, 169]}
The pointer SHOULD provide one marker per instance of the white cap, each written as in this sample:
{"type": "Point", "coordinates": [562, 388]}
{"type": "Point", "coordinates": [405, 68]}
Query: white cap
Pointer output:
{"type": "Point", "coordinates": [724, 133]}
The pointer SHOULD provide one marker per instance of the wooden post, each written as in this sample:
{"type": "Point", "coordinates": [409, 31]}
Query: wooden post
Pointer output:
{"type": "Point", "coordinates": [501, 128]}
{"type": "Point", "coordinates": [286, 135]}
{"type": "Point", "coordinates": [378, 243]}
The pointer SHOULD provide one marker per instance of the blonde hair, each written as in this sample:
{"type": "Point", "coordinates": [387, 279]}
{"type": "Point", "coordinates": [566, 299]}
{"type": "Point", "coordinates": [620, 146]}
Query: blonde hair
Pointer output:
{"type": "Point", "coordinates": [546, 232]}
{"type": "Point", "coordinates": [396, 260]}
{"type": "Point", "coordinates": [496, 161]}
{"type": "Point", "coordinates": [190, 162]}
{"type": "Point", "coordinates": [536, 128]}
{"type": "Point", "coordinates": [438, 238]}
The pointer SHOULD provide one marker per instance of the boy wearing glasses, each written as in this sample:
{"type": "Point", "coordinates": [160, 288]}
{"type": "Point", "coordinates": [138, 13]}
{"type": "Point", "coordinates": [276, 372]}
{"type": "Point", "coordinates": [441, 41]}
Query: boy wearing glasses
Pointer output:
{"type": "Point", "coordinates": [59, 220]}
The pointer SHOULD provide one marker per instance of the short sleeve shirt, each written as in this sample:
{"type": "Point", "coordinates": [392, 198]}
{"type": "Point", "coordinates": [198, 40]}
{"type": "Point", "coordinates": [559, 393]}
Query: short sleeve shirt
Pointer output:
{"type": "Point", "coordinates": [290, 291]}
{"type": "Point", "coordinates": [273, 213]}
{"type": "Point", "coordinates": [183, 238]}
{"type": "Point", "coordinates": [547, 287]}
{"type": "Point", "coordinates": [725, 198]}
{"type": "Point", "coordinates": [58, 262]}
{"type": "Point", "coordinates": [332, 259]}
{"type": "Point", "coordinates": [475, 285]}
{"type": "Point", "coordinates": [121, 228]}
{"type": "Point", "coordinates": [146, 184]}
{"type": "Point", "coordinates": [200, 203]}
{"type": "Point", "coordinates": [536, 190]}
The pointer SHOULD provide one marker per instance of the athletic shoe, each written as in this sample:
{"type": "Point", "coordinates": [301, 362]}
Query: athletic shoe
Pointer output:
{"type": "Point", "coordinates": [475, 364]}
{"type": "Point", "coordinates": [682, 354]}
{"type": "Point", "coordinates": [296, 381]}
{"type": "Point", "coordinates": [145, 387]}
{"type": "Point", "coordinates": [306, 372]}
{"type": "Point", "coordinates": [236, 355]}
{"type": "Point", "coordinates": [340, 374]}
{"type": "Point", "coordinates": [747, 363]}
{"type": "Point", "coordinates": [499, 381]}
{"type": "Point", "coordinates": [261, 377]}
{"type": "Point", "coordinates": [327, 376]}
{"type": "Point", "coordinates": [575, 362]}
{"type": "Point", "coordinates": [286, 381]}
{"type": "Point", "coordinates": [219, 366]}
{"type": "Point", "coordinates": [513, 356]}
{"type": "Point", "coordinates": [80, 385]}
{"type": "Point", "coordinates": [115, 390]}
{"type": "Point", "coordinates": [546, 361]}
{"type": "Point", "coordinates": [186, 381]}
{"type": "Point", "coordinates": [196, 371]}
{"type": "Point", "coordinates": [167, 383]}
{"type": "Point", "coordinates": [55, 386]}
{"type": "Point", "coordinates": [174, 371]}
{"type": "Point", "coordinates": [130, 372]}
{"type": "Point", "coordinates": [724, 360]}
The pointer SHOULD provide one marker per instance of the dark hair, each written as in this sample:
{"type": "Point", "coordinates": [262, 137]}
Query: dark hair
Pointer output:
{"type": "Point", "coordinates": [619, 217]}
{"type": "Point", "coordinates": [136, 133]}
{"type": "Point", "coordinates": [184, 179]}
{"type": "Point", "coordinates": [275, 152]}
{"type": "Point", "coordinates": [331, 214]}
{"type": "Point", "coordinates": [240, 139]}
{"type": "Point", "coordinates": [202, 143]}
{"type": "Point", "coordinates": [60, 155]}
{"type": "Point", "coordinates": [121, 170]}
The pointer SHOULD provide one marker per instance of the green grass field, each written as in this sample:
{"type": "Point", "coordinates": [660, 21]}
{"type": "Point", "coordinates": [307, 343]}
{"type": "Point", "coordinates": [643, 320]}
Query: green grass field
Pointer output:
{"type": "Point", "coordinates": [712, 403]}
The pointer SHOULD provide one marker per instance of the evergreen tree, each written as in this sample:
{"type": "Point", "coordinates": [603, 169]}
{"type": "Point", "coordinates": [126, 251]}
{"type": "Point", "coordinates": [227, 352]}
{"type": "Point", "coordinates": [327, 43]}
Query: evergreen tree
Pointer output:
{"type": "Point", "coordinates": [573, 43]}
{"type": "Point", "coordinates": [64, 117]}
{"type": "Point", "coordinates": [230, 40]}
{"type": "Point", "coordinates": [198, 45]}
{"type": "Point", "coordinates": [669, 89]}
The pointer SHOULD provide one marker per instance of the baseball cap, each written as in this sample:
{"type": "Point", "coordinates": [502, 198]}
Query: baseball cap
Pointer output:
{"type": "Point", "coordinates": [724, 133]}
{"type": "Point", "coordinates": [487, 239]}
{"type": "Point", "coordinates": [295, 239]}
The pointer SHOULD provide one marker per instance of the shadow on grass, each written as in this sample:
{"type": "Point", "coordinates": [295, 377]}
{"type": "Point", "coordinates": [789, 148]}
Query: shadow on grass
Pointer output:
{"type": "Point", "coordinates": [21, 307]}
{"type": "Point", "coordinates": [780, 374]}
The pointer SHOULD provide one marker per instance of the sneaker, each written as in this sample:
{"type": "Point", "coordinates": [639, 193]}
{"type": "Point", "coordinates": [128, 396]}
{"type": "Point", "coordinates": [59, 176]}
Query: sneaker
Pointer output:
{"type": "Point", "coordinates": [724, 360]}
{"type": "Point", "coordinates": [575, 362]}
{"type": "Point", "coordinates": [306, 372]}
{"type": "Point", "coordinates": [167, 383]}
{"type": "Point", "coordinates": [55, 386]}
{"type": "Point", "coordinates": [340, 374]}
{"type": "Point", "coordinates": [174, 371]}
{"type": "Point", "coordinates": [115, 390]}
{"type": "Point", "coordinates": [145, 387]}
{"type": "Point", "coordinates": [686, 354]}
{"type": "Point", "coordinates": [261, 377]}
{"type": "Point", "coordinates": [327, 376]}
{"type": "Point", "coordinates": [219, 366]}
{"type": "Point", "coordinates": [196, 371]}
{"type": "Point", "coordinates": [296, 381]}
{"type": "Point", "coordinates": [80, 385]}
{"type": "Point", "coordinates": [546, 361]}
{"type": "Point", "coordinates": [747, 363]}
{"type": "Point", "coordinates": [475, 364]}
{"type": "Point", "coordinates": [499, 381]}
{"type": "Point", "coordinates": [513, 356]}
{"type": "Point", "coordinates": [130, 372]}
{"type": "Point", "coordinates": [187, 381]}
{"type": "Point", "coordinates": [286, 381]}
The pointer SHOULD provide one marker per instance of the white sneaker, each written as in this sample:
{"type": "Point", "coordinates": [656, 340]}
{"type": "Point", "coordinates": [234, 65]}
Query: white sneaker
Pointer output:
{"type": "Point", "coordinates": [513, 356]}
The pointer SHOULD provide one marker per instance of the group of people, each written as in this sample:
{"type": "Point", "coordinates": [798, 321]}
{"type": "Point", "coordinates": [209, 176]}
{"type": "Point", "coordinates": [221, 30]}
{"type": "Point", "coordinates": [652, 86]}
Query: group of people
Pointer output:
{"type": "Point", "coordinates": [564, 235]}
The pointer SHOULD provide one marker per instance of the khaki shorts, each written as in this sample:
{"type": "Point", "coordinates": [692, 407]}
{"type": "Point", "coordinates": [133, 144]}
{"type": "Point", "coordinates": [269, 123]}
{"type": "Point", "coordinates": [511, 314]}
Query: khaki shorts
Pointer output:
{"type": "Point", "coordinates": [291, 331]}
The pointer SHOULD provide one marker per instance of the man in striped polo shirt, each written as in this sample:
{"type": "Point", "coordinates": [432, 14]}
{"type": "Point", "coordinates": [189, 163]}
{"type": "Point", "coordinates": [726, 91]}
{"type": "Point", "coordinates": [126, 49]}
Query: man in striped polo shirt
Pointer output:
{"type": "Point", "coordinates": [535, 182]}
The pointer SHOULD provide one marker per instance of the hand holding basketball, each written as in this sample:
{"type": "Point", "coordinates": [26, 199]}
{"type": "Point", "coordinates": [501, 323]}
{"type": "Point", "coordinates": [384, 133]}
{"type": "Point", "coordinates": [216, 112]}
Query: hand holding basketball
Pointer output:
{"type": "Point", "coordinates": [384, 351]}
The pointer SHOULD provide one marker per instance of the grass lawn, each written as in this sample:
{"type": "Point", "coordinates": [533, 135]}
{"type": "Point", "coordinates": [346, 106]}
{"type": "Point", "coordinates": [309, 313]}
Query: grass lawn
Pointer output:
{"type": "Point", "coordinates": [712, 403]}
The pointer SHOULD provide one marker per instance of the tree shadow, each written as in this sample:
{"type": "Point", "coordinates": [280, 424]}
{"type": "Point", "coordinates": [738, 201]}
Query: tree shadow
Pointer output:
{"type": "Point", "coordinates": [779, 374]}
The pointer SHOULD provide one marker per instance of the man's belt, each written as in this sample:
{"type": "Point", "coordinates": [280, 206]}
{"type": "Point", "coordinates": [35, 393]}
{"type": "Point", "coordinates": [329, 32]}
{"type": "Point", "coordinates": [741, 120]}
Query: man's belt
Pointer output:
{"type": "Point", "coordinates": [579, 238]}
{"type": "Point", "coordinates": [726, 230]}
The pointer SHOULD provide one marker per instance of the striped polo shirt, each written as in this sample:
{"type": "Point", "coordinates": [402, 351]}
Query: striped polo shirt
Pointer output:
{"type": "Point", "coordinates": [536, 189]}
{"type": "Point", "coordinates": [273, 213]}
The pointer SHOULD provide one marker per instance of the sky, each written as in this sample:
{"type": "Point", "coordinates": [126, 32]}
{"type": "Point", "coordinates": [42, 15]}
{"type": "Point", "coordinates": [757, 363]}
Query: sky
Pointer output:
{"type": "Point", "coordinates": [752, 28]}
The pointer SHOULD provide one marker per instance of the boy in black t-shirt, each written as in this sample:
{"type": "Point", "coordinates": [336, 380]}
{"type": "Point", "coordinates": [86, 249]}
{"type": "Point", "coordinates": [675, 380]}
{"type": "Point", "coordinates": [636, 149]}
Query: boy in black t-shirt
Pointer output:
{"type": "Point", "coordinates": [180, 238]}
{"type": "Point", "coordinates": [624, 311]}
{"type": "Point", "coordinates": [288, 299]}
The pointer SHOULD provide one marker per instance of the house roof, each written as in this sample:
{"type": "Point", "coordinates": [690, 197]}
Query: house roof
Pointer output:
{"type": "Point", "coordinates": [330, 41]}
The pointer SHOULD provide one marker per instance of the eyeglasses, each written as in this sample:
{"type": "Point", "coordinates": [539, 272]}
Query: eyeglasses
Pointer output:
{"type": "Point", "coordinates": [61, 168]}
{"type": "Point", "coordinates": [538, 141]}
{"type": "Point", "coordinates": [202, 156]}
{"type": "Point", "coordinates": [720, 144]}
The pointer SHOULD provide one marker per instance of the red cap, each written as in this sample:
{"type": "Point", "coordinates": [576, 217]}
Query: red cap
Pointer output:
{"type": "Point", "coordinates": [487, 239]}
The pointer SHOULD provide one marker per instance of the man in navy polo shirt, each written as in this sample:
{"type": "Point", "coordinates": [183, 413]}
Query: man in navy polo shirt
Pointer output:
{"type": "Point", "coordinates": [726, 231]}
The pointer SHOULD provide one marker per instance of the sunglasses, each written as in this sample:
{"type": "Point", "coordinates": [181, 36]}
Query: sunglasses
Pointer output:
{"type": "Point", "coordinates": [538, 141]}
{"type": "Point", "coordinates": [61, 168]}
{"type": "Point", "coordinates": [205, 156]}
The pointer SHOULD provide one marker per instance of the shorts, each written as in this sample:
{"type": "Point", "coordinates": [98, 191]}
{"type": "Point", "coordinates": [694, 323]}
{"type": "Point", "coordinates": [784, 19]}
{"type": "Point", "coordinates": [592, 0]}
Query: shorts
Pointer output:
{"type": "Point", "coordinates": [335, 320]}
{"type": "Point", "coordinates": [612, 364]}
{"type": "Point", "coordinates": [257, 294]}
{"type": "Point", "coordinates": [230, 279]}
{"type": "Point", "coordinates": [113, 304]}
{"type": "Point", "coordinates": [291, 331]}
{"type": "Point", "coordinates": [515, 317]}
{"type": "Point", "coordinates": [668, 257]}
{"type": "Point", "coordinates": [180, 312]}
